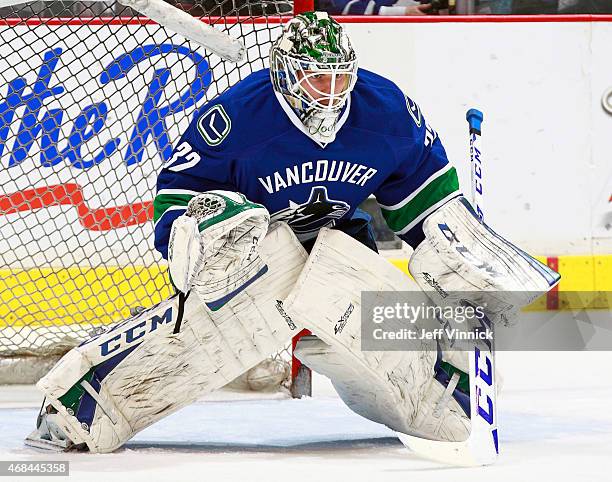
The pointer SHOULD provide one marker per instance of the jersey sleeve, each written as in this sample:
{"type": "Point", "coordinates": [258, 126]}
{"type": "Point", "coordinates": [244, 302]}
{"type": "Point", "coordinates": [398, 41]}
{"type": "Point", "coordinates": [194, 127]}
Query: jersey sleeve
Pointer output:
{"type": "Point", "coordinates": [198, 163]}
{"type": "Point", "coordinates": [423, 180]}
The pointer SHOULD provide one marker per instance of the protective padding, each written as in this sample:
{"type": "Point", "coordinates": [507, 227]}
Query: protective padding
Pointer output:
{"type": "Point", "coordinates": [139, 371]}
{"type": "Point", "coordinates": [389, 387]}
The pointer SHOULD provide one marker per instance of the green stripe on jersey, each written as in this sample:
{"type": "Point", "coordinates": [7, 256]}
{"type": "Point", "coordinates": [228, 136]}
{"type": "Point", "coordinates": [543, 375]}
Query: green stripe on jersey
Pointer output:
{"type": "Point", "coordinates": [434, 192]}
{"type": "Point", "coordinates": [163, 202]}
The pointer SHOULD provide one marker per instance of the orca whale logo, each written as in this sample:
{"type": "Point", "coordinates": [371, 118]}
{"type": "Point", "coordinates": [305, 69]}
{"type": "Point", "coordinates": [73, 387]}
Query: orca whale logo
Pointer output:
{"type": "Point", "coordinates": [308, 218]}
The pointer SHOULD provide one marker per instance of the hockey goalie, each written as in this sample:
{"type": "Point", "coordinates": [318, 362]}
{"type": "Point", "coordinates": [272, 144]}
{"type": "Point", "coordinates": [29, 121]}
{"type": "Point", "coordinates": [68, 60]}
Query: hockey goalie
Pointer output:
{"type": "Point", "coordinates": [256, 213]}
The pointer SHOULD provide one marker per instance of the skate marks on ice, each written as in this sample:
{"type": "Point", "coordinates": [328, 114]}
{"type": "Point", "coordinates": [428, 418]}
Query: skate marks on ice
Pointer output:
{"type": "Point", "coordinates": [314, 425]}
{"type": "Point", "coordinates": [237, 426]}
{"type": "Point", "coordinates": [546, 433]}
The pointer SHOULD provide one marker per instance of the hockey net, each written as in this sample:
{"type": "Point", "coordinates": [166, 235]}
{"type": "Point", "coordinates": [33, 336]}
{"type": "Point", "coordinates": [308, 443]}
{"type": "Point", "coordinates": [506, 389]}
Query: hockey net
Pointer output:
{"type": "Point", "coordinates": [92, 98]}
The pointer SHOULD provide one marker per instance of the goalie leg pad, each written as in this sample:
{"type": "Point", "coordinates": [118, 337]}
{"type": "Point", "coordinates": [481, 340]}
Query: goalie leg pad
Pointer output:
{"type": "Point", "coordinates": [139, 371]}
{"type": "Point", "coordinates": [390, 387]}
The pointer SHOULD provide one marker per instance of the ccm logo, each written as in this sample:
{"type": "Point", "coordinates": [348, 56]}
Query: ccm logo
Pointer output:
{"type": "Point", "coordinates": [134, 333]}
{"type": "Point", "coordinates": [485, 390]}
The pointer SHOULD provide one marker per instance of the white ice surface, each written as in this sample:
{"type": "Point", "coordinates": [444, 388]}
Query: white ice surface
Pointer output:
{"type": "Point", "coordinates": [554, 414]}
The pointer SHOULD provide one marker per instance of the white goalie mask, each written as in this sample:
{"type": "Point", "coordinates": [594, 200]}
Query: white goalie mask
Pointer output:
{"type": "Point", "coordinates": [314, 67]}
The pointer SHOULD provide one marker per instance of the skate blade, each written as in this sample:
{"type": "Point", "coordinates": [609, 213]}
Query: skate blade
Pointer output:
{"type": "Point", "coordinates": [34, 440]}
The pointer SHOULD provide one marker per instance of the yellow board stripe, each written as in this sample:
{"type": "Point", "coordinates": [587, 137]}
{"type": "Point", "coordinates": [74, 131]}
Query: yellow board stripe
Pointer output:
{"type": "Point", "coordinates": [591, 274]}
{"type": "Point", "coordinates": [102, 295]}
{"type": "Point", "coordinates": [63, 296]}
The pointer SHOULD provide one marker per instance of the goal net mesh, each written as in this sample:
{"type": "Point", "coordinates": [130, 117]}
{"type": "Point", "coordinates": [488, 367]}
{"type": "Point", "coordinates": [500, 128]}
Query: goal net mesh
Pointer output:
{"type": "Point", "coordinates": [92, 99]}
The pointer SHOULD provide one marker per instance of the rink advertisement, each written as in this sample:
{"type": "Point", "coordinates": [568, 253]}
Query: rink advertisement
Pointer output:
{"type": "Point", "coordinates": [84, 129]}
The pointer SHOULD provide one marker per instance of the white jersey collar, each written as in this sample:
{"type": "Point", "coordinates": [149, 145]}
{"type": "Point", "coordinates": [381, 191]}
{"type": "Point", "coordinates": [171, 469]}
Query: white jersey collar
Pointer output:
{"type": "Point", "coordinates": [295, 120]}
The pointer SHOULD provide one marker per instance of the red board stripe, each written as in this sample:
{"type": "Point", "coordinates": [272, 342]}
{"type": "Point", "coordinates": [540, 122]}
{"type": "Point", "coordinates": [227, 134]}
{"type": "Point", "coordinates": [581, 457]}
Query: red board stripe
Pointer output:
{"type": "Point", "coordinates": [343, 19]}
{"type": "Point", "coordinates": [474, 19]}
{"type": "Point", "coordinates": [78, 21]}
{"type": "Point", "coordinates": [552, 297]}
{"type": "Point", "coordinates": [97, 219]}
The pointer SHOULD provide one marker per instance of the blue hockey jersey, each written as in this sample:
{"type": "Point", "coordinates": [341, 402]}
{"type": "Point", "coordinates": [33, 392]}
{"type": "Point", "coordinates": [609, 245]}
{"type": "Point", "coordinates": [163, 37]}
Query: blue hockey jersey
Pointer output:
{"type": "Point", "coordinates": [249, 140]}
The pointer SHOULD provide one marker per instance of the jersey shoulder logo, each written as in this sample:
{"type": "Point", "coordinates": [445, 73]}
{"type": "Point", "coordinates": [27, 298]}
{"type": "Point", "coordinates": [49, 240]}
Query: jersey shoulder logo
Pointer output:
{"type": "Point", "coordinates": [414, 111]}
{"type": "Point", "coordinates": [214, 125]}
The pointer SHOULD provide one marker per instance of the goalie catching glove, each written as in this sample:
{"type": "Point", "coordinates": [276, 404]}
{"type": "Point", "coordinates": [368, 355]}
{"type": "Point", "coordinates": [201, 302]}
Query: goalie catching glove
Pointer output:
{"type": "Point", "coordinates": [213, 246]}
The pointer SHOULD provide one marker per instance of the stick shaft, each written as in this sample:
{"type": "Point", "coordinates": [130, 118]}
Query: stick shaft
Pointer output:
{"type": "Point", "coordinates": [482, 387]}
{"type": "Point", "coordinates": [475, 118]}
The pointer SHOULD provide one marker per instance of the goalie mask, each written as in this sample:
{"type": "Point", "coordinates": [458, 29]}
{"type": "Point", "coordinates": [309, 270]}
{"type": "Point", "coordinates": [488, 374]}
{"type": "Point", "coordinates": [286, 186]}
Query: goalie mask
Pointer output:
{"type": "Point", "coordinates": [314, 67]}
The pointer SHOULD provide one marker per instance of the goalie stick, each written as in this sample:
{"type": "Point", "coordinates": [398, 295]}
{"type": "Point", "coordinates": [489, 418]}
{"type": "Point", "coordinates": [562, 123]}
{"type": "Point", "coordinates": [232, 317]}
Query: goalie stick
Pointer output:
{"type": "Point", "coordinates": [182, 23]}
{"type": "Point", "coordinates": [481, 447]}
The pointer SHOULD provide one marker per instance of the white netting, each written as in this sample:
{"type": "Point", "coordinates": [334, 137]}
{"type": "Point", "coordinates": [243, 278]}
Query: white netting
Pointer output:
{"type": "Point", "coordinates": [92, 99]}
